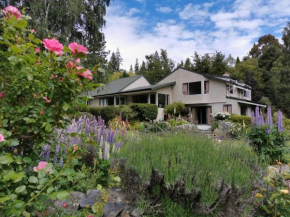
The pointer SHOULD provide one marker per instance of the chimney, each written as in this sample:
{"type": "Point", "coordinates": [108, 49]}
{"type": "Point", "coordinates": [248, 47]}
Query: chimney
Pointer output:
{"type": "Point", "coordinates": [226, 74]}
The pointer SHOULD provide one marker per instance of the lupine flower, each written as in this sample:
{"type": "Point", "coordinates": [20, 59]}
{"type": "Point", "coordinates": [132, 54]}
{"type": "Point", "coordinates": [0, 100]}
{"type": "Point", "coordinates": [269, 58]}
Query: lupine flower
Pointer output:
{"type": "Point", "coordinates": [120, 119]}
{"type": "Point", "coordinates": [269, 117]}
{"type": "Point", "coordinates": [267, 131]}
{"type": "Point", "coordinates": [253, 122]}
{"type": "Point", "coordinates": [107, 151]}
{"type": "Point", "coordinates": [45, 153]}
{"type": "Point", "coordinates": [257, 113]}
{"type": "Point", "coordinates": [118, 146]}
{"type": "Point", "coordinates": [61, 162]}
{"type": "Point", "coordinates": [262, 122]}
{"type": "Point", "coordinates": [57, 149]}
{"type": "Point", "coordinates": [280, 122]}
{"type": "Point", "coordinates": [1, 138]}
{"type": "Point", "coordinates": [100, 154]}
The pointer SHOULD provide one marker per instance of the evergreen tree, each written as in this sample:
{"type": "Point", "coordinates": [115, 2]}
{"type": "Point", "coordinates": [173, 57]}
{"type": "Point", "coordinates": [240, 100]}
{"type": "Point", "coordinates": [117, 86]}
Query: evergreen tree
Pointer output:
{"type": "Point", "coordinates": [119, 59]}
{"type": "Point", "coordinates": [113, 64]}
{"type": "Point", "coordinates": [238, 61]}
{"type": "Point", "coordinates": [136, 68]}
{"type": "Point", "coordinates": [188, 64]}
{"type": "Point", "coordinates": [131, 68]}
{"type": "Point", "coordinates": [219, 65]}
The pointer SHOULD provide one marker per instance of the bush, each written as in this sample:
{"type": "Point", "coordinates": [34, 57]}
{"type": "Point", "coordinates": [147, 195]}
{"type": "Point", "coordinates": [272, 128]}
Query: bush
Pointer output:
{"type": "Point", "coordinates": [107, 113]}
{"type": "Point", "coordinates": [158, 127]}
{"type": "Point", "coordinates": [221, 116]}
{"type": "Point", "coordinates": [145, 111]}
{"type": "Point", "coordinates": [128, 112]}
{"type": "Point", "coordinates": [178, 106]}
{"type": "Point", "coordinates": [174, 123]}
{"type": "Point", "coordinates": [214, 125]}
{"type": "Point", "coordinates": [238, 119]}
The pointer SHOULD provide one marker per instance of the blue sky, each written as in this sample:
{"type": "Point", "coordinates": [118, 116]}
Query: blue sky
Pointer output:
{"type": "Point", "coordinates": [140, 27]}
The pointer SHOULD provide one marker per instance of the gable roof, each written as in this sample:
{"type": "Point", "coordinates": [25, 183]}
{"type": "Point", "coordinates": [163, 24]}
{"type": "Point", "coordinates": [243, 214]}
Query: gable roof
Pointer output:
{"type": "Point", "coordinates": [115, 86]}
{"type": "Point", "coordinates": [217, 77]}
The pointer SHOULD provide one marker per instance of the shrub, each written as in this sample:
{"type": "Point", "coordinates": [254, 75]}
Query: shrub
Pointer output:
{"type": "Point", "coordinates": [107, 113]}
{"type": "Point", "coordinates": [178, 106]}
{"type": "Point", "coordinates": [239, 119]}
{"type": "Point", "coordinates": [145, 111]}
{"type": "Point", "coordinates": [158, 127]}
{"type": "Point", "coordinates": [214, 125]}
{"type": "Point", "coordinates": [174, 123]}
{"type": "Point", "coordinates": [221, 116]}
{"type": "Point", "coordinates": [128, 112]}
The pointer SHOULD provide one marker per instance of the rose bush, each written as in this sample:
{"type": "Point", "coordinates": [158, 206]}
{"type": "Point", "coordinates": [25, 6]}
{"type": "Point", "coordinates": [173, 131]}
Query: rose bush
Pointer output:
{"type": "Point", "coordinates": [38, 90]}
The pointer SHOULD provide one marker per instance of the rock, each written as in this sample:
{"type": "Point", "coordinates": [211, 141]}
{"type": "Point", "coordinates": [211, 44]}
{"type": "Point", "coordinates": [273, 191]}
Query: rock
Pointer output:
{"type": "Point", "coordinates": [224, 127]}
{"type": "Point", "coordinates": [92, 192]}
{"type": "Point", "coordinates": [186, 127]}
{"type": "Point", "coordinates": [116, 203]}
{"type": "Point", "coordinates": [90, 201]}
{"type": "Point", "coordinates": [136, 213]}
{"type": "Point", "coordinates": [71, 204]}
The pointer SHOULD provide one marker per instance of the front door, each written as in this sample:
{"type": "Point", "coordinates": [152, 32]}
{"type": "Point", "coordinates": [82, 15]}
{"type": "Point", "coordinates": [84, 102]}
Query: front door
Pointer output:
{"type": "Point", "coordinates": [201, 113]}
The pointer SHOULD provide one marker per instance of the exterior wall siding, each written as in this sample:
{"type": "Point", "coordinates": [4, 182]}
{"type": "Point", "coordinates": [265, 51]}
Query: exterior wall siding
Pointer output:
{"type": "Point", "coordinates": [141, 82]}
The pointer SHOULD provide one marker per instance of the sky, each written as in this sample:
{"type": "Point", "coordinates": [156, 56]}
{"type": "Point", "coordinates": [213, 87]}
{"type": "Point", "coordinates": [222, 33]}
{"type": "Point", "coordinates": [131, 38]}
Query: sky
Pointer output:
{"type": "Point", "coordinates": [141, 27]}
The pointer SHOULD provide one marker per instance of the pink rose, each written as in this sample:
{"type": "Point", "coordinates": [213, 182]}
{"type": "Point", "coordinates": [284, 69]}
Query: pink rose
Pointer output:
{"type": "Point", "coordinates": [37, 50]}
{"type": "Point", "coordinates": [47, 100]}
{"type": "Point", "coordinates": [75, 148]}
{"type": "Point", "coordinates": [86, 74]}
{"type": "Point", "coordinates": [70, 64]}
{"type": "Point", "coordinates": [51, 77]}
{"type": "Point", "coordinates": [32, 31]}
{"type": "Point", "coordinates": [10, 10]}
{"type": "Point", "coordinates": [64, 205]}
{"type": "Point", "coordinates": [53, 45]}
{"type": "Point", "coordinates": [1, 138]}
{"type": "Point", "coordinates": [77, 48]}
{"type": "Point", "coordinates": [1, 95]}
{"type": "Point", "coordinates": [41, 166]}
{"type": "Point", "coordinates": [78, 61]}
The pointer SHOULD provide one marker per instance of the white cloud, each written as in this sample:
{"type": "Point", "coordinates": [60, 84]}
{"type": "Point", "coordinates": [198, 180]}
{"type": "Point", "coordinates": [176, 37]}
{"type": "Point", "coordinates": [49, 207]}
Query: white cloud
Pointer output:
{"type": "Point", "coordinates": [233, 31]}
{"type": "Point", "coordinates": [133, 11]}
{"type": "Point", "coordinates": [164, 10]}
{"type": "Point", "coordinates": [196, 14]}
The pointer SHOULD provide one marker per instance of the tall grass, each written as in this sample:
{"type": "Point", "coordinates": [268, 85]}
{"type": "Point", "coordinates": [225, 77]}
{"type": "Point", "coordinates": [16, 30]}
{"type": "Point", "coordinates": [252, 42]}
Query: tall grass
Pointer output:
{"type": "Point", "coordinates": [202, 163]}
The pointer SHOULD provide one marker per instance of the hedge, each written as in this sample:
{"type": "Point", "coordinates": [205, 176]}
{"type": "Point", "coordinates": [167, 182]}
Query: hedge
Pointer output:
{"type": "Point", "coordinates": [107, 113]}
{"type": "Point", "coordinates": [145, 111]}
{"type": "Point", "coordinates": [239, 119]}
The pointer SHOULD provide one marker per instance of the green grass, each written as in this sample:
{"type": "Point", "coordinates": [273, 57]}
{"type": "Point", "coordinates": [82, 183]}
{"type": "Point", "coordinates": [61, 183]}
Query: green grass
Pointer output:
{"type": "Point", "coordinates": [189, 155]}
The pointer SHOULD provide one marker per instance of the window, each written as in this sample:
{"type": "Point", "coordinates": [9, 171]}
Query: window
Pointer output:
{"type": "Point", "coordinates": [191, 88]}
{"type": "Point", "coordinates": [185, 89]}
{"type": "Point", "coordinates": [102, 102]}
{"type": "Point", "coordinates": [206, 87]}
{"type": "Point", "coordinates": [117, 100]}
{"type": "Point", "coordinates": [244, 110]}
{"type": "Point", "coordinates": [230, 89]}
{"type": "Point", "coordinates": [228, 108]}
{"type": "Point", "coordinates": [163, 100]}
{"type": "Point", "coordinates": [140, 99]}
{"type": "Point", "coordinates": [122, 101]}
{"type": "Point", "coordinates": [110, 100]}
{"type": "Point", "coordinates": [152, 98]}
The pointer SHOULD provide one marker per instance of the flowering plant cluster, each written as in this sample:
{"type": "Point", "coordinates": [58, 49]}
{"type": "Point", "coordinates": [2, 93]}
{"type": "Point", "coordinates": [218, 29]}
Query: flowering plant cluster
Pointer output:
{"type": "Point", "coordinates": [267, 140]}
{"type": "Point", "coordinates": [40, 82]}
{"type": "Point", "coordinates": [221, 115]}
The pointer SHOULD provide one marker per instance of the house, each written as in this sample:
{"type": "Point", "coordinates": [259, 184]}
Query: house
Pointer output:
{"type": "Point", "coordinates": [202, 94]}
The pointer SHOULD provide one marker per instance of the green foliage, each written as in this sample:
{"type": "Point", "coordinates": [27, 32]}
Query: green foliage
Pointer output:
{"type": "Point", "coordinates": [239, 119]}
{"type": "Point", "coordinates": [107, 113]}
{"type": "Point", "coordinates": [174, 123]}
{"type": "Point", "coordinates": [214, 125]}
{"type": "Point", "coordinates": [179, 108]}
{"type": "Point", "coordinates": [187, 155]}
{"type": "Point", "coordinates": [268, 143]}
{"type": "Point", "coordinates": [145, 111]}
{"type": "Point", "coordinates": [238, 131]}
{"type": "Point", "coordinates": [128, 112]}
{"type": "Point", "coordinates": [158, 127]}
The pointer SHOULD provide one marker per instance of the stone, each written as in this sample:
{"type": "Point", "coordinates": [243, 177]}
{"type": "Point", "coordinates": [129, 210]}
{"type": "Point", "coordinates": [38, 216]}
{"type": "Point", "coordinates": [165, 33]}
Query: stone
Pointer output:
{"type": "Point", "coordinates": [90, 201]}
{"type": "Point", "coordinates": [116, 203]}
{"type": "Point", "coordinates": [136, 213]}
{"type": "Point", "coordinates": [71, 203]}
{"type": "Point", "coordinates": [224, 127]}
{"type": "Point", "coordinates": [92, 192]}
{"type": "Point", "coordinates": [186, 127]}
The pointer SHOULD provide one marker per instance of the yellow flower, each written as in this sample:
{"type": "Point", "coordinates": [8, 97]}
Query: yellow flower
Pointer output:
{"type": "Point", "coordinates": [284, 191]}
{"type": "Point", "coordinates": [258, 195]}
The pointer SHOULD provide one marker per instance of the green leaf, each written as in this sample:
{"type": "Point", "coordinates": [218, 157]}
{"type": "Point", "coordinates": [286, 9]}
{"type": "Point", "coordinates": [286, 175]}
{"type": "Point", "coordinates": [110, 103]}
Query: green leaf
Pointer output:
{"type": "Point", "coordinates": [33, 179]}
{"type": "Point", "coordinates": [25, 214]}
{"type": "Point", "coordinates": [102, 70]}
{"type": "Point", "coordinates": [12, 142]}
{"type": "Point", "coordinates": [67, 172]}
{"type": "Point", "coordinates": [65, 106]}
{"type": "Point", "coordinates": [30, 77]}
{"type": "Point", "coordinates": [27, 159]}
{"type": "Point", "coordinates": [6, 159]}
{"type": "Point", "coordinates": [48, 127]}
{"type": "Point", "coordinates": [60, 58]}
{"type": "Point", "coordinates": [50, 189]}
{"type": "Point", "coordinates": [62, 195]}
{"type": "Point", "coordinates": [31, 37]}
{"type": "Point", "coordinates": [66, 49]}
{"type": "Point", "coordinates": [20, 189]}
{"type": "Point", "coordinates": [37, 41]}
{"type": "Point", "coordinates": [43, 181]}
{"type": "Point", "coordinates": [18, 203]}
{"type": "Point", "coordinates": [21, 24]}
{"type": "Point", "coordinates": [15, 49]}
{"type": "Point", "coordinates": [3, 199]}
{"type": "Point", "coordinates": [41, 174]}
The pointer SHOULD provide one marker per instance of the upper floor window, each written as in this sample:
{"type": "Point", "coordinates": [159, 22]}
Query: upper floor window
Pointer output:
{"type": "Point", "coordinates": [191, 88]}
{"type": "Point", "coordinates": [206, 87]}
{"type": "Point", "coordinates": [230, 89]}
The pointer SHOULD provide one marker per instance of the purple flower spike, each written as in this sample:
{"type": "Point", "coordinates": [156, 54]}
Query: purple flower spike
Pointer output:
{"type": "Point", "coordinates": [257, 113]}
{"type": "Point", "coordinates": [100, 154]}
{"type": "Point", "coordinates": [107, 151]}
{"type": "Point", "coordinates": [253, 118]}
{"type": "Point", "coordinates": [267, 131]}
{"type": "Point", "coordinates": [280, 122]}
{"type": "Point", "coordinates": [61, 162]}
{"type": "Point", "coordinates": [118, 146]}
{"type": "Point", "coordinates": [262, 122]}
{"type": "Point", "coordinates": [269, 117]}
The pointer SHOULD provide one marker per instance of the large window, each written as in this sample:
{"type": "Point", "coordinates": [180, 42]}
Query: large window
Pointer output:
{"type": "Point", "coordinates": [244, 110]}
{"type": "Point", "coordinates": [120, 100]}
{"type": "Point", "coordinates": [110, 100]}
{"type": "Point", "coordinates": [140, 99]}
{"type": "Point", "coordinates": [163, 100]}
{"type": "Point", "coordinates": [102, 102]}
{"type": "Point", "coordinates": [191, 88]}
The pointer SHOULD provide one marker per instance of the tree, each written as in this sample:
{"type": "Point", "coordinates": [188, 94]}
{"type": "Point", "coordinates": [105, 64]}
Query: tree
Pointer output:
{"type": "Point", "coordinates": [188, 64]}
{"type": "Point", "coordinates": [131, 68]}
{"type": "Point", "coordinates": [136, 68]}
{"type": "Point", "coordinates": [219, 64]}
{"type": "Point", "coordinates": [113, 63]}
{"type": "Point", "coordinates": [119, 60]}
{"type": "Point", "coordinates": [238, 61]}
{"type": "Point", "coordinates": [69, 20]}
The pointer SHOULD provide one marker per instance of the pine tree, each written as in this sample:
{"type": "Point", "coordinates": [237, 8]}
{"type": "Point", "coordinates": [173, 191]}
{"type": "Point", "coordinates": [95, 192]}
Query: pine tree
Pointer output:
{"type": "Point", "coordinates": [136, 67]}
{"type": "Point", "coordinates": [238, 61]}
{"type": "Point", "coordinates": [119, 59]}
{"type": "Point", "coordinates": [131, 68]}
{"type": "Point", "coordinates": [113, 64]}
